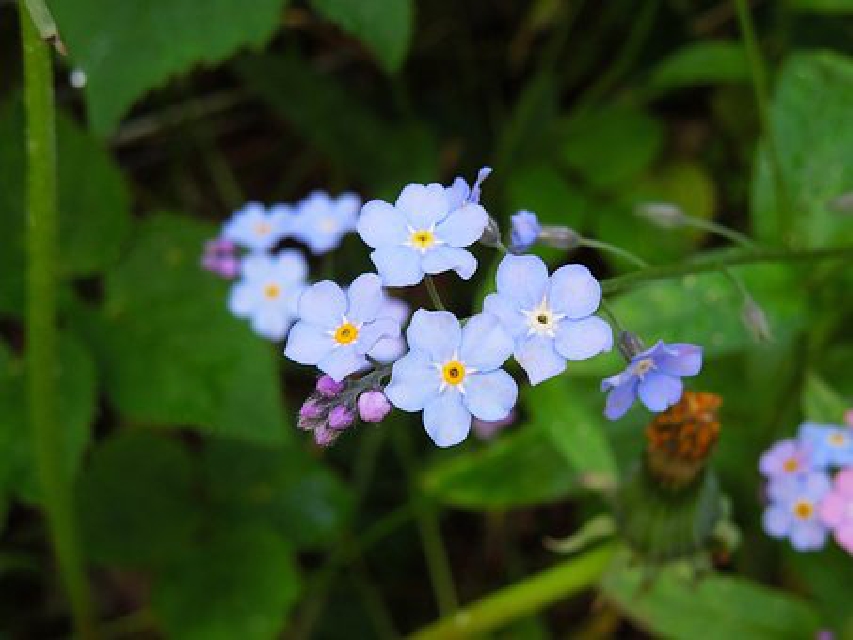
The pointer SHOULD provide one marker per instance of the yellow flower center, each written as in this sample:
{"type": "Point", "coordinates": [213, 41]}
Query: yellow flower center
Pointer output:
{"type": "Point", "coordinates": [422, 239]}
{"type": "Point", "coordinates": [347, 333]}
{"type": "Point", "coordinates": [272, 291]}
{"type": "Point", "coordinates": [262, 228]}
{"type": "Point", "coordinates": [644, 366]}
{"type": "Point", "coordinates": [838, 439]}
{"type": "Point", "coordinates": [803, 509]}
{"type": "Point", "coordinates": [791, 465]}
{"type": "Point", "coordinates": [453, 372]}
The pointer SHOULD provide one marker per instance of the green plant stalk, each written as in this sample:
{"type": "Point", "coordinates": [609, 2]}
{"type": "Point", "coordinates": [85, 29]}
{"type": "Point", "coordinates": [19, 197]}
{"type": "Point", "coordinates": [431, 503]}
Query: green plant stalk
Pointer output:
{"type": "Point", "coordinates": [42, 332]}
{"type": "Point", "coordinates": [523, 598]}
{"type": "Point", "coordinates": [432, 290]}
{"type": "Point", "coordinates": [636, 260]}
{"type": "Point", "coordinates": [718, 261]}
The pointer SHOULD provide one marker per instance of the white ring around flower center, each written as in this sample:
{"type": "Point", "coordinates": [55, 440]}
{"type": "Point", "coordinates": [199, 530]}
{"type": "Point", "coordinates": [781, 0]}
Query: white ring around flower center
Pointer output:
{"type": "Point", "coordinates": [642, 367]}
{"type": "Point", "coordinates": [422, 239]}
{"type": "Point", "coordinates": [542, 320]}
{"type": "Point", "coordinates": [452, 374]}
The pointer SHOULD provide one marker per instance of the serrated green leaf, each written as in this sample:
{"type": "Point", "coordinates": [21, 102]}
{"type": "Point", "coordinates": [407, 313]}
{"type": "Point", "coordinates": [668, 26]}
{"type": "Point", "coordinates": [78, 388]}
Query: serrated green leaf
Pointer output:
{"type": "Point", "coordinates": [700, 63]}
{"type": "Point", "coordinates": [385, 26]}
{"type": "Point", "coordinates": [238, 582]}
{"type": "Point", "coordinates": [814, 144]}
{"type": "Point", "coordinates": [714, 607]}
{"type": "Point", "coordinates": [128, 47]}
{"type": "Point", "coordinates": [521, 468]}
{"type": "Point", "coordinates": [172, 353]}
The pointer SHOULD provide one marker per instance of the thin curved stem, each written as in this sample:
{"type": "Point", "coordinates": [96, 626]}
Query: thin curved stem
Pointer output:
{"type": "Point", "coordinates": [619, 251]}
{"type": "Point", "coordinates": [721, 230]}
{"type": "Point", "coordinates": [432, 290]}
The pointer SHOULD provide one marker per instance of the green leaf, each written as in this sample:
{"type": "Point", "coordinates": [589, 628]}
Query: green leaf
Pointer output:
{"type": "Point", "coordinates": [283, 487]}
{"type": "Point", "coordinates": [520, 468]}
{"type": "Point", "coordinates": [823, 6]}
{"type": "Point", "coordinates": [128, 47]}
{"type": "Point", "coordinates": [93, 204]}
{"type": "Point", "coordinates": [385, 26]}
{"type": "Point", "coordinates": [821, 403]}
{"type": "Point", "coordinates": [136, 501]}
{"type": "Point", "coordinates": [814, 144]}
{"type": "Point", "coordinates": [239, 582]}
{"type": "Point", "coordinates": [172, 353]}
{"type": "Point", "coordinates": [713, 607]}
{"type": "Point", "coordinates": [576, 428]}
{"type": "Point", "coordinates": [542, 189]}
{"type": "Point", "coordinates": [701, 63]}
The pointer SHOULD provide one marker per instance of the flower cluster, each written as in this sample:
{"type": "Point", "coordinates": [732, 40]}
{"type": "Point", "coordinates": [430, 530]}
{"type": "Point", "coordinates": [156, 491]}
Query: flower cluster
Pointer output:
{"type": "Point", "coordinates": [805, 500]}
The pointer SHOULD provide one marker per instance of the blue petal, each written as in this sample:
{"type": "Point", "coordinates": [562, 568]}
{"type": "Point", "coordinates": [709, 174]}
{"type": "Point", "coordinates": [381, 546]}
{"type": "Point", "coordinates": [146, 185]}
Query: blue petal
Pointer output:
{"type": "Point", "coordinates": [618, 380]}
{"type": "Point", "coordinates": [507, 313]}
{"type": "Point", "coordinates": [256, 266]}
{"type": "Point", "coordinates": [659, 391]}
{"type": "Point", "coordinates": [777, 521]}
{"type": "Point", "coordinates": [620, 399]}
{"type": "Point", "coordinates": [381, 225]}
{"type": "Point", "coordinates": [365, 298]}
{"type": "Point", "coordinates": [388, 349]}
{"type": "Point", "coordinates": [436, 332]}
{"type": "Point", "coordinates": [464, 226]}
{"type": "Point", "coordinates": [523, 279]}
{"type": "Point", "coordinates": [446, 419]}
{"type": "Point", "coordinates": [441, 259]}
{"type": "Point", "coordinates": [398, 266]}
{"type": "Point", "coordinates": [290, 266]}
{"type": "Point", "coordinates": [423, 205]}
{"type": "Point", "coordinates": [583, 339]}
{"type": "Point", "coordinates": [457, 193]}
{"type": "Point", "coordinates": [323, 304]}
{"type": "Point", "coordinates": [342, 361]}
{"type": "Point", "coordinates": [540, 361]}
{"type": "Point", "coordinates": [815, 486]}
{"type": "Point", "coordinates": [373, 332]}
{"type": "Point", "coordinates": [414, 380]}
{"type": "Point", "coordinates": [490, 396]}
{"type": "Point", "coordinates": [574, 292]}
{"type": "Point", "coordinates": [308, 343]}
{"type": "Point", "coordinates": [271, 322]}
{"type": "Point", "coordinates": [243, 298]}
{"type": "Point", "coordinates": [679, 359]}
{"type": "Point", "coordinates": [808, 536]}
{"type": "Point", "coordinates": [485, 343]}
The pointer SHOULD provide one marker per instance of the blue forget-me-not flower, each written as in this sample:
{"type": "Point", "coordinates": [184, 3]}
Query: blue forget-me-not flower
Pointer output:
{"type": "Point", "coordinates": [550, 318]}
{"type": "Point", "coordinates": [794, 510]}
{"type": "Point", "coordinates": [451, 373]}
{"type": "Point", "coordinates": [256, 228]}
{"type": "Point", "coordinates": [336, 329]}
{"type": "Point", "coordinates": [655, 376]}
{"type": "Point", "coordinates": [268, 291]}
{"type": "Point", "coordinates": [828, 445]}
{"type": "Point", "coordinates": [524, 231]}
{"type": "Point", "coordinates": [421, 233]}
{"type": "Point", "coordinates": [321, 221]}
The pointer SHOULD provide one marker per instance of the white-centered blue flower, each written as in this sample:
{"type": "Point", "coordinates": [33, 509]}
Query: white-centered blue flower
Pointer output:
{"type": "Point", "coordinates": [451, 373]}
{"type": "Point", "coordinates": [550, 318]}
{"type": "Point", "coordinates": [336, 329]}
{"type": "Point", "coordinates": [829, 445]}
{"type": "Point", "coordinates": [321, 221]}
{"type": "Point", "coordinates": [256, 228]}
{"type": "Point", "coordinates": [421, 233]}
{"type": "Point", "coordinates": [268, 291]}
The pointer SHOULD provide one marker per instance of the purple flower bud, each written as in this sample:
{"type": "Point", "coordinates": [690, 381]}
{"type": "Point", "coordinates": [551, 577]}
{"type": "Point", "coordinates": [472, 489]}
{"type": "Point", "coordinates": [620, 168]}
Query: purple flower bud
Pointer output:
{"type": "Point", "coordinates": [328, 387]}
{"type": "Point", "coordinates": [373, 406]}
{"type": "Point", "coordinates": [340, 417]}
{"type": "Point", "coordinates": [324, 436]}
{"type": "Point", "coordinates": [309, 414]}
{"type": "Point", "coordinates": [524, 231]}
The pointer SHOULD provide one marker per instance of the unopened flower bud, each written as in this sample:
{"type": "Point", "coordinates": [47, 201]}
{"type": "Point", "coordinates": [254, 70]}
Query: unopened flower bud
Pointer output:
{"type": "Point", "coordinates": [663, 214]}
{"type": "Point", "coordinates": [524, 231]}
{"type": "Point", "coordinates": [309, 413]}
{"type": "Point", "coordinates": [324, 436]}
{"type": "Point", "coordinates": [329, 387]}
{"type": "Point", "coordinates": [560, 237]}
{"type": "Point", "coordinates": [629, 344]}
{"type": "Point", "coordinates": [340, 417]}
{"type": "Point", "coordinates": [756, 321]}
{"type": "Point", "coordinates": [373, 406]}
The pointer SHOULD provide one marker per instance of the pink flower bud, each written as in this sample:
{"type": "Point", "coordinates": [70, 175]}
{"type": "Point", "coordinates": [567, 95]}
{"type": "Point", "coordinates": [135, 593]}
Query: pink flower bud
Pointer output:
{"type": "Point", "coordinates": [340, 417]}
{"type": "Point", "coordinates": [327, 386]}
{"type": "Point", "coordinates": [324, 436]}
{"type": "Point", "coordinates": [373, 406]}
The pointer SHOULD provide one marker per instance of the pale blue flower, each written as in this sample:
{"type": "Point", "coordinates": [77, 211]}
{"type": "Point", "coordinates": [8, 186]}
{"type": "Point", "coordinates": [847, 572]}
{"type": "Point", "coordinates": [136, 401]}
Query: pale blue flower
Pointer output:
{"type": "Point", "coordinates": [391, 348]}
{"type": "Point", "coordinates": [421, 233]}
{"type": "Point", "coordinates": [336, 329]}
{"type": "Point", "coordinates": [794, 511]}
{"type": "Point", "coordinates": [655, 376]}
{"type": "Point", "coordinates": [256, 228]}
{"type": "Point", "coordinates": [460, 193]}
{"type": "Point", "coordinates": [268, 291]}
{"type": "Point", "coordinates": [321, 221]}
{"type": "Point", "coordinates": [550, 318]}
{"type": "Point", "coordinates": [828, 445]}
{"type": "Point", "coordinates": [451, 373]}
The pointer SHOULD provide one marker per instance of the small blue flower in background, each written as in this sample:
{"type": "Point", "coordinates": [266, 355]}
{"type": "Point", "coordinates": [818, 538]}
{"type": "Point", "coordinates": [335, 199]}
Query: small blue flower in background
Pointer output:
{"type": "Point", "coordinates": [452, 373]}
{"type": "Point", "coordinates": [321, 221]}
{"type": "Point", "coordinates": [786, 457]}
{"type": "Point", "coordinates": [550, 318]}
{"type": "Point", "coordinates": [524, 231]}
{"type": "Point", "coordinates": [421, 234]}
{"type": "Point", "coordinates": [828, 445]}
{"type": "Point", "coordinates": [336, 329]}
{"type": "Point", "coordinates": [268, 291]}
{"type": "Point", "coordinates": [459, 193]}
{"type": "Point", "coordinates": [655, 376]}
{"type": "Point", "coordinates": [256, 228]}
{"type": "Point", "coordinates": [794, 510]}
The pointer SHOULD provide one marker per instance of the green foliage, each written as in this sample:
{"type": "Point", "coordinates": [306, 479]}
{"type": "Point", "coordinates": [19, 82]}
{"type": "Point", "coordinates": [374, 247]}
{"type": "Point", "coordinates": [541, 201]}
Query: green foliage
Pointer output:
{"type": "Point", "coordinates": [385, 26]}
{"type": "Point", "coordinates": [823, 6]}
{"type": "Point", "coordinates": [126, 48]}
{"type": "Point", "coordinates": [701, 63]}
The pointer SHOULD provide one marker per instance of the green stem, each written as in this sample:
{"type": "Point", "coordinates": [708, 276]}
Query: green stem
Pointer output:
{"type": "Point", "coordinates": [523, 598]}
{"type": "Point", "coordinates": [721, 230]}
{"type": "Point", "coordinates": [432, 290]}
{"type": "Point", "coordinates": [42, 333]}
{"type": "Point", "coordinates": [619, 251]}
{"type": "Point", "coordinates": [718, 261]}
